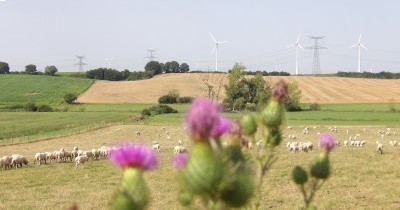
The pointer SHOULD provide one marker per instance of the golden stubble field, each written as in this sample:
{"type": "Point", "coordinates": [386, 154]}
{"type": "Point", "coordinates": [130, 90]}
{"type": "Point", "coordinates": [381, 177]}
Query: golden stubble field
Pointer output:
{"type": "Point", "coordinates": [314, 89]}
{"type": "Point", "coordinates": [361, 178]}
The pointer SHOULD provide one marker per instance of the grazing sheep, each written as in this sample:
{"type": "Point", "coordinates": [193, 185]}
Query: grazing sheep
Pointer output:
{"type": "Point", "coordinates": [40, 157]}
{"type": "Point", "coordinates": [289, 127]}
{"type": "Point", "coordinates": [156, 146]}
{"type": "Point", "coordinates": [80, 160]}
{"type": "Point", "coordinates": [5, 162]}
{"type": "Point", "coordinates": [292, 146]}
{"type": "Point", "coordinates": [179, 142]}
{"type": "Point", "coordinates": [88, 154]}
{"type": "Point", "coordinates": [345, 143]}
{"type": "Point", "coordinates": [167, 132]}
{"type": "Point", "coordinates": [179, 149]}
{"type": "Point", "coordinates": [338, 143]}
{"type": "Point", "coordinates": [379, 148]}
{"type": "Point", "coordinates": [393, 143]}
{"type": "Point", "coordinates": [18, 160]}
{"type": "Point", "coordinates": [137, 133]}
{"type": "Point", "coordinates": [96, 154]}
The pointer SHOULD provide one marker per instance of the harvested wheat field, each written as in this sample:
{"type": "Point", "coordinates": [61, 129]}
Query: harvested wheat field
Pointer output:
{"type": "Point", "coordinates": [314, 89]}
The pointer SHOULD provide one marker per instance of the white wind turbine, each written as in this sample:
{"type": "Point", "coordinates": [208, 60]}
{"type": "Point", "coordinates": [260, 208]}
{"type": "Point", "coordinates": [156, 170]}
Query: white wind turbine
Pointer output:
{"type": "Point", "coordinates": [297, 45]}
{"type": "Point", "coordinates": [359, 51]}
{"type": "Point", "coordinates": [215, 48]}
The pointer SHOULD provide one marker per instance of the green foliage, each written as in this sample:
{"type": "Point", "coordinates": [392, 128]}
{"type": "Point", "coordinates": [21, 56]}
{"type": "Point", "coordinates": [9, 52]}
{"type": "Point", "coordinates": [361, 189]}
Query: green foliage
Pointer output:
{"type": "Point", "coordinates": [157, 110]}
{"type": "Point", "coordinates": [240, 91]}
{"type": "Point", "coordinates": [50, 70]}
{"type": "Point", "coordinates": [105, 74]}
{"type": "Point", "coordinates": [185, 100]}
{"type": "Point", "coordinates": [292, 99]}
{"type": "Point", "coordinates": [31, 107]}
{"type": "Point", "coordinates": [184, 67]}
{"type": "Point", "coordinates": [140, 75]}
{"type": "Point", "coordinates": [173, 97]}
{"type": "Point", "coordinates": [44, 108]}
{"type": "Point", "coordinates": [153, 68]}
{"type": "Point", "coordinates": [171, 67]}
{"type": "Point", "coordinates": [70, 98]}
{"type": "Point", "coordinates": [4, 68]}
{"type": "Point", "coordinates": [380, 75]}
{"type": "Point", "coordinates": [315, 106]}
{"type": "Point", "coordinates": [30, 69]}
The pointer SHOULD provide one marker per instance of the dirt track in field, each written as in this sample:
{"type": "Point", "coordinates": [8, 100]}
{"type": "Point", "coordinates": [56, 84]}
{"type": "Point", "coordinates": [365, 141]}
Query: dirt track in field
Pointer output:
{"type": "Point", "coordinates": [314, 89]}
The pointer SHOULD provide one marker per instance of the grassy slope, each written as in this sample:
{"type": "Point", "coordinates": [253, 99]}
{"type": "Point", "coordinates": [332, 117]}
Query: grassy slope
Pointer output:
{"type": "Point", "coordinates": [39, 88]}
{"type": "Point", "coordinates": [360, 179]}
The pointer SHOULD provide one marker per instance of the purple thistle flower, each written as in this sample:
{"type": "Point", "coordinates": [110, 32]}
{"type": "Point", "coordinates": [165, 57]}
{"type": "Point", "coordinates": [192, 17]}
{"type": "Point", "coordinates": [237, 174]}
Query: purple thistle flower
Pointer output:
{"type": "Point", "coordinates": [327, 142]}
{"type": "Point", "coordinates": [202, 119]}
{"type": "Point", "coordinates": [180, 160]}
{"type": "Point", "coordinates": [279, 91]}
{"type": "Point", "coordinates": [224, 126]}
{"type": "Point", "coordinates": [137, 156]}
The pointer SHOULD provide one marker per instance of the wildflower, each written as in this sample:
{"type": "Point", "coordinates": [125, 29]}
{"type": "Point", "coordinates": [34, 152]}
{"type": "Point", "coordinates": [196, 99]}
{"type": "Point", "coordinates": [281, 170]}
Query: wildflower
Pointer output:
{"type": "Point", "coordinates": [137, 156]}
{"type": "Point", "coordinates": [279, 91]}
{"type": "Point", "coordinates": [223, 126]}
{"type": "Point", "coordinates": [180, 160]}
{"type": "Point", "coordinates": [327, 142]}
{"type": "Point", "coordinates": [202, 119]}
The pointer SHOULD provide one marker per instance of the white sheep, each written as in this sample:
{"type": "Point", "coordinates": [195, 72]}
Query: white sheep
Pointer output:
{"type": "Point", "coordinates": [80, 160]}
{"type": "Point", "coordinates": [179, 142]}
{"type": "Point", "coordinates": [156, 146]}
{"type": "Point", "coordinates": [137, 133]}
{"type": "Point", "coordinates": [5, 162]}
{"type": "Point", "coordinates": [379, 147]}
{"type": "Point", "coordinates": [179, 149]}
{"type": "Point", "coordinates": [292, 146]}
{"type": "Point", "coordinates": [18, 160]}
{"type": "Point", "coordinates": [393, 143]}
{"type": "Point", "coordinates": [345, 143]}
{"type": "Point", "coordinates": [40, 157]}
{"type": "Point", "coordinates": [96, 154]}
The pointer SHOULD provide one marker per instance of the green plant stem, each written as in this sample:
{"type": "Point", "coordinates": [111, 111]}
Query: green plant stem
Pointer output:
{"type": "Point", "coordinates": [315, 186]}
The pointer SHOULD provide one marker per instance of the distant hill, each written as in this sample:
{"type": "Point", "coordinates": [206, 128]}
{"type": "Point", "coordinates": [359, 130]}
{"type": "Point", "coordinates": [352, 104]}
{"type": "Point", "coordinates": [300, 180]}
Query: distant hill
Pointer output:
{"type": "Point", "coordinates": [314, 89]}
{"type": "Point", "coordinates": [39, 88]}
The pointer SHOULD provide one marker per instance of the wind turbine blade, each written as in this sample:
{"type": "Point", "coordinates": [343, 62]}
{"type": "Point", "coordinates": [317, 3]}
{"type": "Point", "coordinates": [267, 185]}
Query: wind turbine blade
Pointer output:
{"type": "Point", "coordinates": [213, 38]}
{"type": "Point", "coordinates": [363, 46]}
{"type": "Point", "coordinates": [223, 42]}
{"type": "Point", "coordinates": [359, 39]}
{"type": "Point", "coordinates": [214, 48]}
{"type": "Point", "coordinates": [298, 38]}
{"type": "Point", "coordinates": [301, 47]}
{"type": "Point", "coordinates": [290, 45]}
{"type": "Point", "coordinates": [354, 46]}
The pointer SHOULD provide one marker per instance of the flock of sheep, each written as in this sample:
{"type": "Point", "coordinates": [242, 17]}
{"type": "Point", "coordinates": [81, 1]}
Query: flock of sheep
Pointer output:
{"type": "Point", "coordinates": [79, 157]}
{"type": "Point", "coordinates": [355, 140]}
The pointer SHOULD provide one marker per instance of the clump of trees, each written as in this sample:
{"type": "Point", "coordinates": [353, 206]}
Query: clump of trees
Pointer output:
{"type": "Point", "coordinates": [253, 93]}
{"type": "Point", "coordinates": [50, 70]}
{"type": "Point", "coordinates": [30, 69]}
{"type": "Point", "coordinates": [158, 109]}
{"type": "Point", "coordinates": [380, 75]}
{"type": "Point", "coordinates": [4, 68]}
{"type": "Point", "coordinates": [70, 98]}
{"type": "Point", "coordinates": [107, 74]}
{"type": "Point", "coordinates": [173, 97]}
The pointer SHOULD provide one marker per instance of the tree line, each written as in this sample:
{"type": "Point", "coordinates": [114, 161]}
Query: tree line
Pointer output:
{"type": "Point", "coordinates": [29, 69]}
{"type": "Point", "coordinates": [380, 75]}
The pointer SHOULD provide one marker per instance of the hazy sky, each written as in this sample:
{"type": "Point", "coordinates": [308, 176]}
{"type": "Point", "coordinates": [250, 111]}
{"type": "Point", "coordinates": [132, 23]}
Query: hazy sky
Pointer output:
{"type": "Point", "coordinates": [52, 32]}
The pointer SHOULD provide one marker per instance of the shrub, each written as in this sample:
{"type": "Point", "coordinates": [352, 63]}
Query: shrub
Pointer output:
{"type": "Point", "coordinates": [185, 100]}
{"type": "Point", "coordinates": [14, 107]}
{"type": "Point", "coordinates": [145, 113]}
{"type": "Point", "coordinates": [167, 99]}
{"type": "Point", "coordinates": [70, 98]}
{"type": "Point", "coordinates": [315, 107]}
{"type": "Point", "coordinates": [251, 107]}
{"type": "Point", "coordinates": [159, 109]}
{"type": "Point", "coordinates": [44, 108]}
{"type": "Point", "coordinates": [31, 107]}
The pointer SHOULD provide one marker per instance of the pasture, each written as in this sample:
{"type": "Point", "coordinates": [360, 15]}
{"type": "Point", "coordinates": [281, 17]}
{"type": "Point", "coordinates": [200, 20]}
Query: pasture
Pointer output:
{"type": "Point", "coordinates": [39, 88]}
{"type": "Point", "coordinates": [361, 178]}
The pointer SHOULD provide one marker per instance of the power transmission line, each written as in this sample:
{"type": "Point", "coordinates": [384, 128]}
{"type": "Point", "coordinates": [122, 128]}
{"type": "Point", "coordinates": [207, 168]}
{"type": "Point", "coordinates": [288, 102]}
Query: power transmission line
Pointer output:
{"type": "Point", "coordinates": [316, 69]}
{"type": "Point", "coordinates": [151, 57]}
{"type": "Point", "coordinates": [80, 63]}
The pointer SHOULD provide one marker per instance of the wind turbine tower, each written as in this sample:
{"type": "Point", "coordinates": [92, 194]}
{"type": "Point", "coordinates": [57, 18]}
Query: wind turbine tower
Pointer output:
{"type": "Point", "coordinates": [359, 45]}
{"type": "Point", "coordinates": [298, 46]}
{"type": "Point", "coordinates": [215, 48]}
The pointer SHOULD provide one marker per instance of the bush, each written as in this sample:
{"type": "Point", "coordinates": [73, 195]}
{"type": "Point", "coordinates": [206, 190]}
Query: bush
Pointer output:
{"type": "Point", "coordinates": [159, 109]}
{"type": "Point", "coordinates": [251, 107]}
{"type": "Point", "coordinates": [14, 107]}
{"type": "Point", "coordinates": [185, 100]}
{"type": "Point", "coordinates": [167, 99]}
{"type": "Point", "coordinates": [145, 113]}
{"type": "Point", "coordinates": [70, 98]}
{"type": "Point", "coordinates": [315, 107]}
{"type": "Point", "coordinates": [31, 107]}
{"type": "Point", "coordinates": [44, 108]}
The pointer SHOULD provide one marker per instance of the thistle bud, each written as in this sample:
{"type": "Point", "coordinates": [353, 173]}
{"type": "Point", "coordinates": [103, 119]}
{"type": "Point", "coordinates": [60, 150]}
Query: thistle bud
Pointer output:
{"type": "Point", "coordinates": [249, 125]}
{"type": "Point", "coordinates": [320, 167]}
{"type": "Point", "coordinates": [203, 171]}
{"type": "Point", "coordinates": [132, 192]}
{"type": "Point", "coordinates": [279, 91]}
{"type": "Point", "coordinates": [274, 136]}
{"type": "Point", "coordinates": [273, 114]}
{"type": "Point", "coordinates": [240, 190]}
{"type": "Point", "coordinates": [299, 175]}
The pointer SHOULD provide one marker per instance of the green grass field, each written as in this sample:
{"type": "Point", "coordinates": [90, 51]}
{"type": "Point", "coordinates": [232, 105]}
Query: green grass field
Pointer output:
{"type": "Point", "coordinates": [361, 179]}
{"type": "Point", "coordinates": [39, 88]}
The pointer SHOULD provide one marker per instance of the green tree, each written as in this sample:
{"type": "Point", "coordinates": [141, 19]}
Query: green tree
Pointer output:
{"type": "Point", "coordinates": [30, 69]}
{"type": "Point", "coordinates": [154, 67]}
{"type": "Point", "coordinates": [292, 99]}
{"type": "Point", "coordinates": [171, 67]}
{"type": "Point", "coordinates": [236, 87]}
{"type": "Point", "coordinates": [4, 68]}
{"type": "Point", "coordinates": [50, 70]}
{"type": "Point", "coordinates": [184, 68]}
{"type": "Point", "coordinates": [70, 98]}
